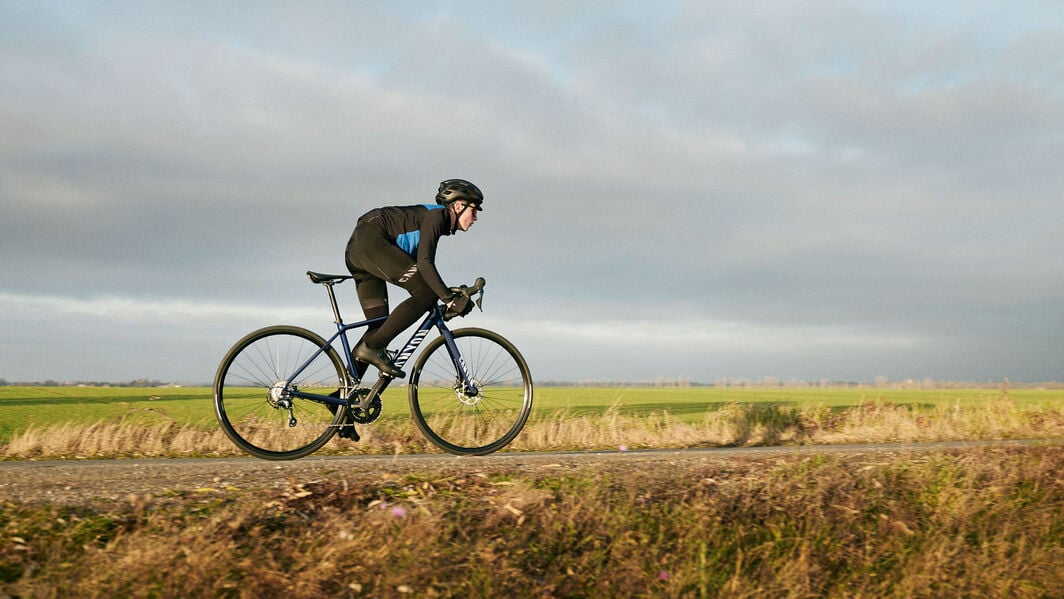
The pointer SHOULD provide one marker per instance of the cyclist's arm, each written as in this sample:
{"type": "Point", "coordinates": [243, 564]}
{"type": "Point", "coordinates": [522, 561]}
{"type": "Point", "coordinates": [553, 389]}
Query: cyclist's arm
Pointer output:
{"type": "Point", "coordinates": [432, 228]}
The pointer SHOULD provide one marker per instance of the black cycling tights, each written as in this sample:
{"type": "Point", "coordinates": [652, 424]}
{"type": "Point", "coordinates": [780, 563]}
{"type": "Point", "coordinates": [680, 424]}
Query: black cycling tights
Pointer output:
{"type": "Point", "coordinates": [373, 295]}
{"type": "Point", "coordinates": [373, 259]}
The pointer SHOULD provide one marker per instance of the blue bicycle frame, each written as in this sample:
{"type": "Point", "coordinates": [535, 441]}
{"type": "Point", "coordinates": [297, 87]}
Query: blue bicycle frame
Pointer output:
{"type": "Point", "coordinates": [433, 319]}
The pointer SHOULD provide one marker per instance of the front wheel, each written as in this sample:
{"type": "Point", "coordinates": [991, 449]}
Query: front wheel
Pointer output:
{"type": "Point", "coordinates": [459, 420]}
{"type": "Point", "coordinates": [254, 386]}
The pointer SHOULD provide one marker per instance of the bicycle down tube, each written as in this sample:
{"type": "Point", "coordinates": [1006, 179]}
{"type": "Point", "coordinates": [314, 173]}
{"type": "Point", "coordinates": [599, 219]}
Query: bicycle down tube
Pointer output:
{"type": "Point", "coordinates": [433, 319]}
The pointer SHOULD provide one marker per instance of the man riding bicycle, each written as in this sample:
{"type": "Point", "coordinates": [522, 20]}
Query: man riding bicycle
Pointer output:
{"type": "Point", "coordinates": [397, 245]}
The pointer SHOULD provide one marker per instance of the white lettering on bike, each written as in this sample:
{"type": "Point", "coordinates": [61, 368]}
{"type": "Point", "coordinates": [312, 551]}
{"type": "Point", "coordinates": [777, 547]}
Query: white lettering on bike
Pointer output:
{"type": "Point", "coordinates": [464, 372]}
{"type": "Point", "coordinates": [410, 347]}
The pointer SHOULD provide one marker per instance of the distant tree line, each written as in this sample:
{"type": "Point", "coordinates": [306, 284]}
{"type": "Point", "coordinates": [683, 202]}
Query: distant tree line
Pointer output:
{"type": "Point", "coordinates": [879, 382]}
{"type": "Point", "coordinates": [54, 383]}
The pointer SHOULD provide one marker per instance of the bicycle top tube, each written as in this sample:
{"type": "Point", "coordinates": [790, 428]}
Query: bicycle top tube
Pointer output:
{"type": "Point", "coordinates": [347, 326]}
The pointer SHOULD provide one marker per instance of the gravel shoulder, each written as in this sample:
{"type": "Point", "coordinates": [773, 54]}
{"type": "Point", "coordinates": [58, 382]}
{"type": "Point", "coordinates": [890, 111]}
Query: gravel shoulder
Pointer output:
{"type": "Point", "coordinates": [106, 481]}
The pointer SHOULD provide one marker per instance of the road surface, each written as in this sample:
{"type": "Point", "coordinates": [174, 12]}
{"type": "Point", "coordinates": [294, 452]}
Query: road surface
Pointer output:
{"type": "Point", "coordinates": [69, 482]}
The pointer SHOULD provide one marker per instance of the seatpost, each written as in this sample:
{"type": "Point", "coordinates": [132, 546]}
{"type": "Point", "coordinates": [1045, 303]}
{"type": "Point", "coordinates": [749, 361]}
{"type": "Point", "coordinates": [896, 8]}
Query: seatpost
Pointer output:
{"type": "Point", "coordinates": [332, 300]}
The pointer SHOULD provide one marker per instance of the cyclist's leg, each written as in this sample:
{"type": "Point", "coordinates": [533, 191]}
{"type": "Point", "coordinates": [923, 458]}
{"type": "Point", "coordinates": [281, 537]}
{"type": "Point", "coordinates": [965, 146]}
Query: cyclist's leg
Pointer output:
{"type": "Point", "coordinates": [405, 314]}
{"type": "Point", "coordinates": [373, 296]}
{"type": "Point", "coordinates": [371, 254]}
{"type": "Point", "coordinates": [370, 257]}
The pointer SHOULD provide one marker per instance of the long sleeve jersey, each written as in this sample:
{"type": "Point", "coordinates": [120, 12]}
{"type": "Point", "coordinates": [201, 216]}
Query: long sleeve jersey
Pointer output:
{"type": "Point", "coordinates": [416, 230]}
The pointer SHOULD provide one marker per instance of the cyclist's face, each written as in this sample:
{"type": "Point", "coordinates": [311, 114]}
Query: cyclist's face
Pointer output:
{"type": "Point", "coordinates": [467, 214]}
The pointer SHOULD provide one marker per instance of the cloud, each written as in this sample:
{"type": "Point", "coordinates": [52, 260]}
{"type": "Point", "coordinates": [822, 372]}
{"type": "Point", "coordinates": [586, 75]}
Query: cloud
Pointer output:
{"type": "Point", "coordinates": [842, 174]}
{"type": "Point", "coordinates": [705, 335]}
{"type": "Point", "coordinates": [125, 310]}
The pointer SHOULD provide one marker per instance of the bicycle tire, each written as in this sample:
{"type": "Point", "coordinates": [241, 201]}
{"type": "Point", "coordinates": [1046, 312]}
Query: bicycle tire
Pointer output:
{"type": "Point", "coordinates": [471, 425]}
{"type": "Point", "coordinates": [250, 382]}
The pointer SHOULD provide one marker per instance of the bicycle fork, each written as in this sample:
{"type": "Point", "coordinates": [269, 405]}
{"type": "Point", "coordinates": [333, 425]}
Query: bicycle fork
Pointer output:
{"type": "Point", "coordinates": [465, 384]}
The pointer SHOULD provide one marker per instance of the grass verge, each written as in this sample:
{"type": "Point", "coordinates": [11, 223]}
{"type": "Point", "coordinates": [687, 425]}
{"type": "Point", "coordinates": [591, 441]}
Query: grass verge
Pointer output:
{"type": "Point", "coordinates": [979, 522]}
{"type": "Point", "coordinates": [733, 424]}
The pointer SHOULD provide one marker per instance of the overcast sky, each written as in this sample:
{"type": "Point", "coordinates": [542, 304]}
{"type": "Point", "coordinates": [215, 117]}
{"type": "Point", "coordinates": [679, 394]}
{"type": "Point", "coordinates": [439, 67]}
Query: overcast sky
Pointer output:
{"type": "Point", "coordinates": [821, 189]}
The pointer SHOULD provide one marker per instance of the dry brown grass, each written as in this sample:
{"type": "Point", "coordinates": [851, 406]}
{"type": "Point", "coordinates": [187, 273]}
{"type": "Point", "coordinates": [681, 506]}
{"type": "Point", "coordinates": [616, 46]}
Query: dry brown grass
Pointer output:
{"type": "Point", "coordinates": [976, 523]}
{"type": "Point", "coordinates": [732, 425]}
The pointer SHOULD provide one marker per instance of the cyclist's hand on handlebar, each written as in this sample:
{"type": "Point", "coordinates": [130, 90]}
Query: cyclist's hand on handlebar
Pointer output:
{"type": "Point", "coordinates": [459, 304]}
{"type": "Point", "coordinates": [461, 301]}
{"type": "Point", "coordinates": [470, 290]}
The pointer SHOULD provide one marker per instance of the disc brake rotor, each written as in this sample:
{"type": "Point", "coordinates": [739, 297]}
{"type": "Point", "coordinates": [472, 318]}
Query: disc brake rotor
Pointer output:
{"type": "Point", "coordinates": [463, 397]}
{"type": "Point", "coordinates": [277, 394]}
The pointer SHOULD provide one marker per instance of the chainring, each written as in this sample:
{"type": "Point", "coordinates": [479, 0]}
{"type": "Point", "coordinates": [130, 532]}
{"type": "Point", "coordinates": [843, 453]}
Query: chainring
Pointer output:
{"type": "Point", "coordinates": [368, 414]}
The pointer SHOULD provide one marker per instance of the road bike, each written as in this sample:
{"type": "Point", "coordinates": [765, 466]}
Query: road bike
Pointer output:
{"type": "Point", "coordinates": [283, 391]}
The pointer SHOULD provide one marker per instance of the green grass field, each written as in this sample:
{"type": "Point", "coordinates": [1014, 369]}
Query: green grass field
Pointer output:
{"type": "Point", "coordinates": [970, 522]}
{"type": "Point", "coordinates": [38, 407]}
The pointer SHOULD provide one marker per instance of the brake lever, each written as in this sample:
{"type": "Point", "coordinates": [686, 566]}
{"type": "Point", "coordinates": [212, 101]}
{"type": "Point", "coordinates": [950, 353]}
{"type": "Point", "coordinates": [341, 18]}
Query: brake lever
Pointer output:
{"type": "Point", "coordinates": [468, 292]}
{"type": "Point", "coordinates": [480, 296]}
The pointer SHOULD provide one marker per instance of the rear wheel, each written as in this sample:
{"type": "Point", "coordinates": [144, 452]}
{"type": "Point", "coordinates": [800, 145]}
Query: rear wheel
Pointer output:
{"type": "Point", "coordinates": [466, 421]}
{"type": "Point", "coordinates": [253, 398]}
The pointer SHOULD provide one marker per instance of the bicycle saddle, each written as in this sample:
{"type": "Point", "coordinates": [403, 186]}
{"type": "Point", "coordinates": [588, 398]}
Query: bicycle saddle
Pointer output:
{"type": "Point", "coordinates": [320, 278]}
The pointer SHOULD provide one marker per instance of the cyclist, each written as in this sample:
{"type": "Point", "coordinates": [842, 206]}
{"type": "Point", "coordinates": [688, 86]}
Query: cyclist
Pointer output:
{"type": "Point", "coordinates": [397, 245]}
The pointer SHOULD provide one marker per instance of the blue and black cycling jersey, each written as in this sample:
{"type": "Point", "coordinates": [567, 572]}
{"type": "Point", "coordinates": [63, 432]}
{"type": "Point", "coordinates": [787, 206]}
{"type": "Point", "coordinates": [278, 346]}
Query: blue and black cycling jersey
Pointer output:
{"type": "Point", "coordinates": [415, 230]}
{"type": "Point", "coordinates": [409, 240]}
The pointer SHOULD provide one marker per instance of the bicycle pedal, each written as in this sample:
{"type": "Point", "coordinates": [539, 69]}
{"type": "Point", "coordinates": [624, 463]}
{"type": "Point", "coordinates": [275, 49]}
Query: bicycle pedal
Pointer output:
{"type": "Point", "coordinates": [348, 431]}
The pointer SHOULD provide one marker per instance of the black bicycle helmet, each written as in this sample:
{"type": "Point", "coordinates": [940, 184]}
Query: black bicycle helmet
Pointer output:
{"type": "Point", "coordinates": [459, 189]}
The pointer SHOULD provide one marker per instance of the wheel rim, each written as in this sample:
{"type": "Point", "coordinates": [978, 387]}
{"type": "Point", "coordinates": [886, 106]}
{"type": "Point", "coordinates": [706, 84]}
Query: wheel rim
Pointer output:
{"type": "Point", "coordinates": [254, 398]}
{"type": "Point", "coordinates": [475, 424]}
